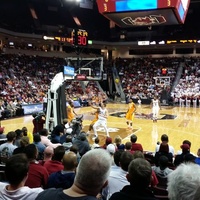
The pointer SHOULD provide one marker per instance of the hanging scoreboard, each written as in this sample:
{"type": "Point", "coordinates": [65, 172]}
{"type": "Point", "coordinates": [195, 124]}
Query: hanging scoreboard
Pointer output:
{"type": "Point", "coordinates": [130, 13]}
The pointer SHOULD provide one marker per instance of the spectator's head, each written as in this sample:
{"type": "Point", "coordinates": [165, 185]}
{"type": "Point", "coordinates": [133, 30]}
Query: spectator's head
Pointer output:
{"type": "Point", "coordinates": [11, 136]}
{"type": "Point", "coordinates": [58, 130]}
{"type": "Point", "coordinates": [19, 133]}
{"type": "Point", "coordinates": [184, 182]}
{"type": "Point", "coordinates": [68, 139]}
{"type": "Point", "coordinates": [189, 158]}
{"type": "Point", "coordinates": [65, 121]}
{"type": "Point", "coordinates": [164, 148]}
{"type": "Point", "coordinates": [187, 142]}
{"type": "Point", "coordinates": [24, 141]}
{"type": "Point", "coordinates": [70, 161]}
{"type": "Point", "coordinates": [16, 170]}
{"type": "Point", "coordinates": [44, 132]}
{"type": "Point", "coordinates": [48, 153]}
{"type": "Point", "coordinates": [139, 173]}
{"type": "Point", "coordinates": [108, 140]}
{"type": "Point", "coordinates": [111, 149]}
{"type": "Point", "coordinates": [24, 131]}
{"type": "Point", "coordinates": [163, 162]}
{"type": "Point", "coordinates": [82, 136]}
{"type": "Point", "coordinates": [125, 160]}
{"type": "Point", "coordinates": [36, 138]}
{"type": "Point", "coordinates": [96, 141]}
{"type": "Point", "coordinates": [117, 156]}
{"type": "Point", "coordinates": [138, 154]}
{"type": "Point", "coordinates": [164, 138]}
{"type": "Point", "coordinates": [74, 149]}
{"type": "Point", "coordinates": [185, 148]}
{"type": "Point", "coordinates": [128, 146]}
{"type": "Point", "coordinates": [1, 130]}
{"type": "Point", "coordinates": [59, 152]}
{"type": "Point", "coordinates": [94, 165]}
{"type": "Point", "coordinates": [31, 152]}
{"type": "Point", "coordinates": [198, 153]}
{"type": "Point", "coordinates": [118, 140]}
{"type": "Point", "coordinates": [133, 138]}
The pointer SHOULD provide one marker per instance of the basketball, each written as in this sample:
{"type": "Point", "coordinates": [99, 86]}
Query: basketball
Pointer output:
{"type": "Point", "coordinates": [117, 80]}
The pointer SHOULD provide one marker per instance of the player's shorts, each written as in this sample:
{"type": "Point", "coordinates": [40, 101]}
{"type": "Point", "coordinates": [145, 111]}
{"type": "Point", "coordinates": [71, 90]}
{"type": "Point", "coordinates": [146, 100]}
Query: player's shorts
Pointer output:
{"type": "Point", "coordinates": [129, 116]}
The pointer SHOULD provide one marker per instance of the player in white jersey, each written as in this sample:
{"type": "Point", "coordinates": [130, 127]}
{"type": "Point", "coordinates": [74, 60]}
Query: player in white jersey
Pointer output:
{"type": "Point", "coordinates": [102, 120]}
{"type": "Point", "coordinates": [155, 105]}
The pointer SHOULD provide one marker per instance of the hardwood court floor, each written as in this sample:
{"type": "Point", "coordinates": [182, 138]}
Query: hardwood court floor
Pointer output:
{"type": "Point", "coordinates": [179, 123]}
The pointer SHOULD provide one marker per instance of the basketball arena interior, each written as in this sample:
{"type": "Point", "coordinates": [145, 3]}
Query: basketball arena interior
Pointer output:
{"type": "Point", "coordinates": [88, 52]}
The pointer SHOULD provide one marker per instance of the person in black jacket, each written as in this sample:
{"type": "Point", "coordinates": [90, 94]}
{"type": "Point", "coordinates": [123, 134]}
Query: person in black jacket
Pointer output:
{"type": "Point", "coordinates": [139, 176]}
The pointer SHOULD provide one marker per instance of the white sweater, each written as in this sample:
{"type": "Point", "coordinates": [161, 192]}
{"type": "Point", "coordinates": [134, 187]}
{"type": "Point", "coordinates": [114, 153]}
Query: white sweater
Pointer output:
{"type": "Point", "coordinates": [23, 193]}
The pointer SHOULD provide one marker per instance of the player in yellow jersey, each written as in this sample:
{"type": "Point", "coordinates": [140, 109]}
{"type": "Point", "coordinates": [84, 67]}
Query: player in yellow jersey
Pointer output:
{"type": "Point", "coordinates": [70, 111]}
{"type": "Point", "coordinates": [130, 113]}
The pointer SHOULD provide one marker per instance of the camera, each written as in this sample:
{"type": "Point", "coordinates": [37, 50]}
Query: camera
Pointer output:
{"type": "Point", "coordinates": [38, 116]}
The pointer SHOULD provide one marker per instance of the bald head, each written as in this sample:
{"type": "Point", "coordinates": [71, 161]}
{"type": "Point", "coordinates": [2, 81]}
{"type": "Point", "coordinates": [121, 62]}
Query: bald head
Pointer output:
{"type": "Point", "coordinates": [70, 161]}
{"type": "Point", "coordinates": [48, 153]}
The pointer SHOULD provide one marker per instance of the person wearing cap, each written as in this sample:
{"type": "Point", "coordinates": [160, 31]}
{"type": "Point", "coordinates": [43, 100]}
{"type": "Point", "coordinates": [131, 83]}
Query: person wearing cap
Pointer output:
{"type": "Point", "coordinates": [107, 142]}
{"type": "Point", "coordinates": [111, 148]}
{"type": "Point", "coordinates": [2, 135]}
{"type": "Point", "coordinates": [185, 154]}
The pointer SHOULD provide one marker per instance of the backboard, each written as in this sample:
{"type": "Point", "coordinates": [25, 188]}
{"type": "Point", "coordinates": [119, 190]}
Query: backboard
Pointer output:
{"type": "Point", "coordinates": [87, 69]}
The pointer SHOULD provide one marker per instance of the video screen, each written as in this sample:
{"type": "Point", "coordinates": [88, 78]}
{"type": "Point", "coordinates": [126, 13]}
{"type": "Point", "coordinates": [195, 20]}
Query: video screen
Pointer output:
{"type": "Point", "coordinates": [68, 71]}
{"type": "Point", "coordinates": [134, 5]}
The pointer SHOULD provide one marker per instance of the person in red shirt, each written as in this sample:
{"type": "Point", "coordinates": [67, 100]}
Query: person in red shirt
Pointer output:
{"type": "Point", "coordinates": [38, 123]}
{"type": "Point", "coordinates": [55, 164]}
{"type": "Point", "coordinates": [135, 146]}
{"type": "Point", "coordinates": [37, 174]}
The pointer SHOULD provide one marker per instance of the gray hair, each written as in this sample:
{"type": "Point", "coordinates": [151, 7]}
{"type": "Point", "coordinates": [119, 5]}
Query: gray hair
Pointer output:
{"type": "Point", "coordinates": [184, 182]}
{"type": "Point", "coordinates": [93, 169]}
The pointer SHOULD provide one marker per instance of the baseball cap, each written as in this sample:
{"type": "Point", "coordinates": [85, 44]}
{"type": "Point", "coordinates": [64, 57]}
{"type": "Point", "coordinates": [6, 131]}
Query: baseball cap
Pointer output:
{"type": "Point", "coordinates": [185, 146]}
{"type": "Point", "coordinates": [1, 129]}
{"type": "Point", "coordinates": [111, 148]}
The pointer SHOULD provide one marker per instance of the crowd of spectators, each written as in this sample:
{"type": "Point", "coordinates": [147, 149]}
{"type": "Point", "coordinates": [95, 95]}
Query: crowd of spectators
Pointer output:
{"type": "Point", "coordinates": [26, 79]}
{"type": "Point", "coordinates": [138, 75]}
{"type": "Point", "coordinates": [60, 167]}
{"type": "Point", "coordinates": [187, 91]}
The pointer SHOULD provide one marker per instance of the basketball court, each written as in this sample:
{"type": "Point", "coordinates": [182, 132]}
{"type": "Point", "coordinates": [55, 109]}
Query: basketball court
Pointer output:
{"type": "Point", "coordinates": [179, 123]}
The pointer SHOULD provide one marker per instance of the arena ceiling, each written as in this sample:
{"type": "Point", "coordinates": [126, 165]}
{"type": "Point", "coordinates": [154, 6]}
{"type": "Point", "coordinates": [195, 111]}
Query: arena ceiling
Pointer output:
{"type": "Point", "coordinates": [57, 17]}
